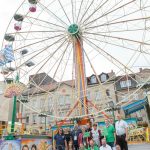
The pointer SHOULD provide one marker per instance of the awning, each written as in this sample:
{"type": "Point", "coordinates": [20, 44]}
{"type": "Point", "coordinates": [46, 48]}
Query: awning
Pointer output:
{"type": "Point", "coordinates": [135, 106]}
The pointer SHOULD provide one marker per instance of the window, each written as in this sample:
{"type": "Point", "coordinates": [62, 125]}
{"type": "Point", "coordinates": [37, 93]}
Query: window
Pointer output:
{"type": "Point", "coordinates": [88, 95]}
{"type": "Point", "coordinates": [136, 96]}
{"type": "Point", "coordinates": [64, 99]}
{"type": "Point", "coordinates": [42, 102]}
{"type": "Point", "coordinates": [67, 99]}
{"type": "Point", "coordinates": [93, 79]}
{"type": "Point", "coordinates": [103, 77]}
{"type": "Point", "coordinates": [34, 118]}
{"type": "Point", "coordinates": [61, 100]}
{"type": "Point", "coordinates": [108, 92]}
{"type": "Point", "coordinates": [42, 119]}
{"type": "Point", "coordinates": [62, 114]}
{"type": "Point", "coordinates": [126, 83]}
{"type": "Point", "coordinates": [34, 103]}
{"type": "Point", "coordinates": [27, 119]}
{"type": "Point", "coordinates": [124, 98]}
{"type": "Point", "coordinates": [97, 95]}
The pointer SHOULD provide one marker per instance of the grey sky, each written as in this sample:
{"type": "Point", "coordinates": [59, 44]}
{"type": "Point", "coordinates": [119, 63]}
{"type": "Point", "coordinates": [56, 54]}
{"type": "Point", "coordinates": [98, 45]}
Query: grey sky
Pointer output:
{"type": "Point", "coordinates": [7, 9]}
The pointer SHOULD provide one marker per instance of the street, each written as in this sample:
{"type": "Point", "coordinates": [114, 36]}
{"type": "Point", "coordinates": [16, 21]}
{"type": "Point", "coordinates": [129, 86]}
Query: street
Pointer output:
{"type": "Point", "coordinates": [139, 147]}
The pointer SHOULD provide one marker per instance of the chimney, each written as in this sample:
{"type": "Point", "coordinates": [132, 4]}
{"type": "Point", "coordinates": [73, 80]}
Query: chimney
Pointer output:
{"type": "Point", "coordinates": [140, 69]}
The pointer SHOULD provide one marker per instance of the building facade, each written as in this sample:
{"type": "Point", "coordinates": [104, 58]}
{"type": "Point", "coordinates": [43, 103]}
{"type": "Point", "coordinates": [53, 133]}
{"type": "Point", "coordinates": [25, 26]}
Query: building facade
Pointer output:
{"type": "Point", "coordinates": [56, 99]}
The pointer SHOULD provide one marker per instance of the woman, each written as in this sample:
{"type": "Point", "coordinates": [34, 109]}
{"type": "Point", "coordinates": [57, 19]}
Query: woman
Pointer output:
{"type": "Point", "coordinates": [67, 136]}
{"type": "Point", "coordinates": [96, 135]}
{"type": "Point", "coordinates": [33, 147]}
{"type": "Point", "coordinates": [60, 140]}
{"type": "Point", "coordinates": [25, 147]}
{"type": "Point", "coordinates": [81, 139]}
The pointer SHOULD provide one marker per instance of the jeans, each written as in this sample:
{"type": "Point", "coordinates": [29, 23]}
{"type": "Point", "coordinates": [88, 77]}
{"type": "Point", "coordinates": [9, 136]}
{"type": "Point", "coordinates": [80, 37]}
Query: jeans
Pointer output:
{"type": "Point", "coordinates": [60, 147]}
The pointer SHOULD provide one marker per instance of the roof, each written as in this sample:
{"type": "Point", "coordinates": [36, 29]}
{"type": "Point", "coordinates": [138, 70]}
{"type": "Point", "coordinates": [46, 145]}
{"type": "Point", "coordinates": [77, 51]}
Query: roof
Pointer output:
{"type": "Point", "coordinates": [41, 77]}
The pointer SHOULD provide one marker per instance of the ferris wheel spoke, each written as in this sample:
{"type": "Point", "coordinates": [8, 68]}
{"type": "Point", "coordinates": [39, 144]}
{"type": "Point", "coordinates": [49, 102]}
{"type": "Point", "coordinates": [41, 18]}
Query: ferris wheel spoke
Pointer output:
{"type": "Point", "coordinates": [120, 38]}
{"type": "Point", "coordinates": [86, 11]}
{"type": "Point", "coordinates": [97, 9]}
{"type": "Point", "coordinates": [64, 11]}
{"type": "Point", "coordinates": [47, 59]}
{"type": "Point", "coordinates": [63, 72]}
{"type": "Point", "coordinates": [17, 67]}
{"type": "Point", "coordinates": [125, 15]}
{"type": "Point", "coordinates": [109, 12]}
{"type": "Point", "coordinates": [53, 14]}
{"type": "Point", "coordinates": [121, 46]}
{"type": "Point", "coordinates": [47, 22]}
{"type": "Point", "coordinates": [120, 22]}
{"type": "Point", "coordinates": [72, 11]}
{"type": "Point", "coordinates": [38, 42]}
{"type": "Point", "coordinates": [60, 59]}
{"type": "Point", "coordinates": [40, 31]}
{"type": "Point", "coordinates": [125, 30]}
{"type": "Point", "coordinates": [108, 56]}
{"type": "Point", "coordinates": [79, 10]}
{"type": "Point", "coordinates": [94, 71]}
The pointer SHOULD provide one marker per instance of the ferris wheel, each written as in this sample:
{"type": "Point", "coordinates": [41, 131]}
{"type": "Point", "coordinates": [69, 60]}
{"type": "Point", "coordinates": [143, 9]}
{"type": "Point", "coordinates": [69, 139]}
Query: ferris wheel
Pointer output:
{"type": "Point", "coordinates": [54, 45]}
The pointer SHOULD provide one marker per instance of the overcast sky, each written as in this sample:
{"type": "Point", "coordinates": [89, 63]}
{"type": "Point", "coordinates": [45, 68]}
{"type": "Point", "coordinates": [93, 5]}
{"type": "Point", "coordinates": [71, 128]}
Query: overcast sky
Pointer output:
{"type": "Point", "coordinates": [7, 9]}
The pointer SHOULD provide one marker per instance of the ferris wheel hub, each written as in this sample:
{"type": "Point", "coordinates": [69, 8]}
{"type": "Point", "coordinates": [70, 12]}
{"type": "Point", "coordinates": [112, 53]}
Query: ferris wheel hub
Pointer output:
{"type": "Point", "coordinates": [73, 29]}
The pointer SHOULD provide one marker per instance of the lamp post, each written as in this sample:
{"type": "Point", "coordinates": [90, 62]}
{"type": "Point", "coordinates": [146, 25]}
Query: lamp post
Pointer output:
{"type": "Point", "coordinates": [112, 108]}
{"type": "Point", "coordinates": [43, 115]}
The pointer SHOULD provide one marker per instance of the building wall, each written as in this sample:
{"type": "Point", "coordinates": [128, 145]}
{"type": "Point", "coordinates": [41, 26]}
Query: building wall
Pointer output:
{"type": "Point", "coordinates": [5, 104]}
{"type": "Point", "coordinates": [59, 104]}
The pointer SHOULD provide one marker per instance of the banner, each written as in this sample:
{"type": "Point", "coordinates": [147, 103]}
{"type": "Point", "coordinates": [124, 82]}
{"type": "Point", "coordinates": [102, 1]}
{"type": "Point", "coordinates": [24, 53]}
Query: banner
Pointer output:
{"type": "Point", "coordinates": [36, 144]}
{"type": "Point", "coordinates": [10, 145]}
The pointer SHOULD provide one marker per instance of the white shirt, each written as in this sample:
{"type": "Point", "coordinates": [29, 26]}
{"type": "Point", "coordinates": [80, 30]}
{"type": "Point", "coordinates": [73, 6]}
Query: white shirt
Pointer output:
{"type": "Point", "coordinates": [95, 135]}
{"type": "Point", "coordinates": [121, 127]}
{"type": "Point", "coordinates": [107, 147]}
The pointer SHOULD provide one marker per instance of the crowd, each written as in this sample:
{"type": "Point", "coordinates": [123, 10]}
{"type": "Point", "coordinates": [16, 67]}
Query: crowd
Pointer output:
{"type": "Point", "coordinates": [111, 137]}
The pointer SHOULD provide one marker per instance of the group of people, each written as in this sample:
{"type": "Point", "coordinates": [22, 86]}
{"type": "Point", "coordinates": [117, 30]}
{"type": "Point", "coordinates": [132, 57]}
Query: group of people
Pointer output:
{"type": "Point", "coordinates": [112, 137]}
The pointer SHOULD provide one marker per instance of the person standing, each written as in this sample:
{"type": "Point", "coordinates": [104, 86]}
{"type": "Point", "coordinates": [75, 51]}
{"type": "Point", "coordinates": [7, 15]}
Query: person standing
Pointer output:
{"type": "Point", "coordinates": [67, 136]}
{"type": "Point", "coordinates": [121, 133]}
{"type": "Point", "coordinates": [96, 135]}
{"type": "Point", "coordinates": [81, 138]}
{"type": "Point", "coordinates": [74, 136]}
{"type": "Point", "coordinates": [109, 133]}
{"type": "Point", "coordinates": [60, 140]}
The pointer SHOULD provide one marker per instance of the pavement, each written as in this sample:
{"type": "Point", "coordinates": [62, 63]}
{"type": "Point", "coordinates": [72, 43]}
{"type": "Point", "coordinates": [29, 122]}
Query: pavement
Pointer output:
{"type": "Point", "coordinates": [139, 147]}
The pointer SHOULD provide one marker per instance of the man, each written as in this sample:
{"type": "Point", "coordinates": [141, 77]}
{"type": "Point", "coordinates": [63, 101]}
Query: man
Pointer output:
{"type": "Point", "coordinates": [74, 136]}
{"type": "Point", "coordinates": [118, 147]}
{"type": "Point", "coordinates": [111, 120]}
{"type": "Point", "coordinates": [105, 146]}
{"type": "Point", "coordinates": [109, 133]}
{"type": "Point", "coordinates": [121, 133]}
{"type": "Point", "coordinates": [88, 127]}
{"type": "Point", "coordinates": [93, 146]}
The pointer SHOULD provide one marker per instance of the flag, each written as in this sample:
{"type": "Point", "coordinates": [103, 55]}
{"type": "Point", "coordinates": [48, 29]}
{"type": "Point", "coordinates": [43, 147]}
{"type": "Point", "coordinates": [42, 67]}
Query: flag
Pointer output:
{"type": "Point", "coordinates": [8, 53]}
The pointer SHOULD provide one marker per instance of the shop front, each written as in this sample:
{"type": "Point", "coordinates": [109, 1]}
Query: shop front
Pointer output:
{"type": "Point", "coordinates": [139, 110]}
